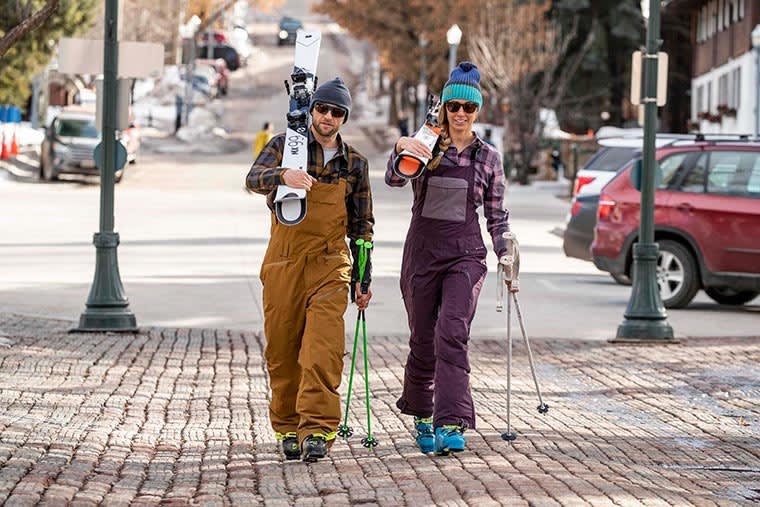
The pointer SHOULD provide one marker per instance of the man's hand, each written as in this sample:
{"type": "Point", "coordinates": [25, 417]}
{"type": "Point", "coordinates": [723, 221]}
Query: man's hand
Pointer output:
{"type": "Point", "coordinates": [295, 178]}
{"type": "Point", "coordinates": [414, 146]}
{"type": "Point", "coordinates": [362, 300]}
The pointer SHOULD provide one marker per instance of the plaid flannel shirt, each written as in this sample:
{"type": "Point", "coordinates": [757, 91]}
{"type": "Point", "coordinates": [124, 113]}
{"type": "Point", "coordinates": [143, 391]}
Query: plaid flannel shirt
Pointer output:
{"type": "Point", "coordinates": [349, 164]}
{"type": "Point", "coordinates": [490, 185]}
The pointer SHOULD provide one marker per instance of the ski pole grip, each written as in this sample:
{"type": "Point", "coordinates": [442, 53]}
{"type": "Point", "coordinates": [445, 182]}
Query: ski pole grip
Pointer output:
{"type": "Point", "coordinates": [364, 248]}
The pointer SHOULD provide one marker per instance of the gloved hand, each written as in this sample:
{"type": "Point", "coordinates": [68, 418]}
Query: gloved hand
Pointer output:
{"type": "Point", "coordinates": [510, 261]}
{"type": "Point", "coordinates": [363, 280]}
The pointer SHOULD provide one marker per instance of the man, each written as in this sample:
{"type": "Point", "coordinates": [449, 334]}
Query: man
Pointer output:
{"type": "Point", "coordinates": [263, 136]}
{"type": "Point", "coordinates": [306, 274]}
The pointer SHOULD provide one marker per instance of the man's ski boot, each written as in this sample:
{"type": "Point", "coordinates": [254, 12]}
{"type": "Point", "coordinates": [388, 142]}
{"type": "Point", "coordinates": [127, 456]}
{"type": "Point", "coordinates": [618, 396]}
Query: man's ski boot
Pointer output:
{"type": "Point", "coordinates": [449, 438]}
{"type": "Point", "coordinates": [314, 447]}
{"type": "Point", "coordinates": [290, 446]}
{"type": "Point", "coordinates": [425, 437]}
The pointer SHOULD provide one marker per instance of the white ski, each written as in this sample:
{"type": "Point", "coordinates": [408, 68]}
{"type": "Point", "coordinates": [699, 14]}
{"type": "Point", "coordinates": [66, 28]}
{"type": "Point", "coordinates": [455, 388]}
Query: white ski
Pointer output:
{"type": "Point", "coordinates": [290, 203]}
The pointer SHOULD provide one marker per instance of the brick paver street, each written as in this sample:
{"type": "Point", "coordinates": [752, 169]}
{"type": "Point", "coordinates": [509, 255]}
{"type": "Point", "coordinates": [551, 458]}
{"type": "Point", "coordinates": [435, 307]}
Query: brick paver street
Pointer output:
{"type": "Point", "coordinates": [179, 416]}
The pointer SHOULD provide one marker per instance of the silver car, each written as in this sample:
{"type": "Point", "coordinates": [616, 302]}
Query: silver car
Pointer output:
{"type": "Point", "coordinates": [69, 143]}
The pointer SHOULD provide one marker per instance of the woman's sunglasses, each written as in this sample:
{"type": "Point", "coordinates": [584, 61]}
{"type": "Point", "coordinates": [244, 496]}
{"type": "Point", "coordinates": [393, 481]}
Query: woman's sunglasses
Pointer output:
{"type": "Point", "coordinates": [336, 112]}
{"type": "Point", "coordinates": [469, 107]}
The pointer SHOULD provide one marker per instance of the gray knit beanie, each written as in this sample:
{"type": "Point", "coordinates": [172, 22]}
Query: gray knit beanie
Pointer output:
{"type": "Point", "coordinates": [333, 92]}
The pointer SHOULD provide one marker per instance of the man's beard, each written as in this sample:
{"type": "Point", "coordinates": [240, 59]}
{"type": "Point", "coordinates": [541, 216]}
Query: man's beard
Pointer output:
{"type": "Point", "coordinates": [328, 133]}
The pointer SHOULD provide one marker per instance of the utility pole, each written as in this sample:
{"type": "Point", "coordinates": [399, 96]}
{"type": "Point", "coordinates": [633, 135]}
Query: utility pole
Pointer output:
{"type": "Point", "coordinates": [645, 317]}
{"type": "Point", "coordinates": [107, 305]}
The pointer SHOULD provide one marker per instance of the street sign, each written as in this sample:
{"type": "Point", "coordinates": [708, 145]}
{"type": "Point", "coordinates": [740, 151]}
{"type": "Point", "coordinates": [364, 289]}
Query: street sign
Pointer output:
{"type": "Point", "coordinates": [662, 78]}
{"type": "Point", "coordinates": [121, 155]}
{"type": "Point", "coordinates": [85, 56]}
{"type": "Point", "coordinates": [122, 103]}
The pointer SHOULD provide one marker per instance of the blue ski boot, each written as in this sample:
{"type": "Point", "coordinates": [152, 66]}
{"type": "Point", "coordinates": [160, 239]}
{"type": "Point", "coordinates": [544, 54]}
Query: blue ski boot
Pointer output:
{"type": "Point", "coordinates": [449, 438]}
{"type": "Point", "coordinates": [424, 434]}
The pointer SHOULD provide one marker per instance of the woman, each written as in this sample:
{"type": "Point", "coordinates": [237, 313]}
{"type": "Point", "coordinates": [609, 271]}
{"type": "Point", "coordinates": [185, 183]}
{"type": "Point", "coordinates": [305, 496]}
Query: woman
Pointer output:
{"type": "Point", "coordinates": [444, 263]}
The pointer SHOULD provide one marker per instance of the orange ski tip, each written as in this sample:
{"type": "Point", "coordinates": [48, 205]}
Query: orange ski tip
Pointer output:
{"type": "Point", "coordinates": [408, 166]}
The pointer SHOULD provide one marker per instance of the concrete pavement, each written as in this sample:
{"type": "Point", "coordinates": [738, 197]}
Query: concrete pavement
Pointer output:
{"type": "Point", "coordinates": [175, 416]}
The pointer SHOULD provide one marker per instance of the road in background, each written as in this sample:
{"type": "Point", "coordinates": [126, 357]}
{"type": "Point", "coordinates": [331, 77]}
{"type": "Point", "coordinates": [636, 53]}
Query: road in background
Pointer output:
{"type": "Point", "coordinates": [193, 238]}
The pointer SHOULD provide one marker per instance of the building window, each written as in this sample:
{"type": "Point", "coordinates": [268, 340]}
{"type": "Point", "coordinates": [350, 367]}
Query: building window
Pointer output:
{"type": "Point", "coordinates": [723, 89]}
{"type": "Point", "coordinates": [709, 97]}
{"type": "Point", "coordinates": [736, 88]}
{"type": "Point", "coordinates": [720, 16]}
{"type": "Point", "coordinates": [740, 14]}
{"type": "Point", "coordinates": [700, 99]}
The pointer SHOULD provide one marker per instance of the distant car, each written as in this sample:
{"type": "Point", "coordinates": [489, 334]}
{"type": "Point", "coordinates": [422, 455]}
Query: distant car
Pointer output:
{"type": "Point", "coordinates": [69, 143]}
{"type": "Point", "coordinates": [706, 220]}
{"type": "Point", "coordinates": [224, 51]}
{"type": "Point", "coordinates": [222, 74]}
{"type": "Point", "coordinates": [288, 30]}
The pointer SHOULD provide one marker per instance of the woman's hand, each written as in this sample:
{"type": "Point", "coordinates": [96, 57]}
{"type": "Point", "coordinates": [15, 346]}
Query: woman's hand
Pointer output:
{"type": "Point", "coordinates": [414, 146]}
{"type": "Point", "coordinates": [295, 178]}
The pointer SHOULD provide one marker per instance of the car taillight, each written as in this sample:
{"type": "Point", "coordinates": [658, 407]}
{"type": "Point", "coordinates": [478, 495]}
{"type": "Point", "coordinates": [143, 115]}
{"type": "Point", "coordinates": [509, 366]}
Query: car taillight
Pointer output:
{"type": "Point", "coordinates": [575, 208]}
{"type": "Point", "coordinates": [606, 205]}
{"type": "Point", "coordinates": [581, 181]}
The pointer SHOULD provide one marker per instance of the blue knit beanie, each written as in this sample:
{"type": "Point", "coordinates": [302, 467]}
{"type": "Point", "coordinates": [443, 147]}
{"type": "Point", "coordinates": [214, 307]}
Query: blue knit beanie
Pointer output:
{"type": "Point", "coordinates": [463, 84]}
{"type": "Point", "coordinates": [333, 92]}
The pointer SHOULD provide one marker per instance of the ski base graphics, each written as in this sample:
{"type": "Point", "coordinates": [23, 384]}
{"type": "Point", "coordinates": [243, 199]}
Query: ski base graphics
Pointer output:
{"type": "Point", "coordinates": [290, 203]}
{"type": "Point", "coordinates": [410, 166]}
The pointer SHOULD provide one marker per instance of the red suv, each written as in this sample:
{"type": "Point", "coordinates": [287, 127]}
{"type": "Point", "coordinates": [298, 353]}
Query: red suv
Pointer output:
{"type": "Point", "coordinates": [707, 222]}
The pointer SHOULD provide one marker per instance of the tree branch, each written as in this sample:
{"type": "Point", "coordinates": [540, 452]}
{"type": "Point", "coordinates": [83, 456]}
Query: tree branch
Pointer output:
{"type": "Point", "coordinates": [27, 25]}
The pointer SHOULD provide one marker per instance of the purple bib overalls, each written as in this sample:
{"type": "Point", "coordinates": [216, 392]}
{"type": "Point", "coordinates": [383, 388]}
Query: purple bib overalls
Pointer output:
{"type": "Point", "coordinates": [441, 276]}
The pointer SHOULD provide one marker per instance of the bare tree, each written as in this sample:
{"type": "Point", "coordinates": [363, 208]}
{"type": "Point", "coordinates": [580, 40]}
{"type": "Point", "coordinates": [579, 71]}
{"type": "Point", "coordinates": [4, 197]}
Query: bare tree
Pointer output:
{"type": "Point", "coordinates": [519, 50]}
{"type": "Point", "coordinates": [30, 21]}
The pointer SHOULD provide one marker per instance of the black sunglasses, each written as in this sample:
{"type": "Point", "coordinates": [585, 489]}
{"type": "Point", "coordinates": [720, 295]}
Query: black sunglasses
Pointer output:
{"type": "Point", "coordinates": [337, 112]}
{"type": "Point", "coordinates": [469, 107]}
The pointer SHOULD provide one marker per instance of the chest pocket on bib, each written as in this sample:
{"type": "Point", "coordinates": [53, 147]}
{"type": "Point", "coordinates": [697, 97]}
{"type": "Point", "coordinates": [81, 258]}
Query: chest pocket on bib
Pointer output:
{"type": "Point", "coordinates": [446, 199]}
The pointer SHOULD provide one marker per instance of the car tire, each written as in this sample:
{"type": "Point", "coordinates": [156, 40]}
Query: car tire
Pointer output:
{"type": "Point", "coordinates": [677, 275]}
{"type": "Point", "coordinates": [728, 296]}
{"type": "Point", "coordinates": [621, 278]}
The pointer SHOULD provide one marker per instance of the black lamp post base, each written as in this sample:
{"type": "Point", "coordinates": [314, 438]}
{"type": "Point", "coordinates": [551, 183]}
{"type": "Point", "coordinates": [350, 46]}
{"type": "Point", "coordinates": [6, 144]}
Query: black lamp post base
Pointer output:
{"type": "Point", "coordinates": [644, 331]}
{"type": "Point", "coordinates": [100, 320]}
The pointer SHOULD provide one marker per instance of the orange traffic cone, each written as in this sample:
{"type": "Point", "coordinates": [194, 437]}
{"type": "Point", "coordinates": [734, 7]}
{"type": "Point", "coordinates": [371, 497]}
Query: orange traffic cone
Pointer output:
{"type": "Point", "coordinates": [14, 145]}
{"type": "Point", "coordinates": [4, 151]}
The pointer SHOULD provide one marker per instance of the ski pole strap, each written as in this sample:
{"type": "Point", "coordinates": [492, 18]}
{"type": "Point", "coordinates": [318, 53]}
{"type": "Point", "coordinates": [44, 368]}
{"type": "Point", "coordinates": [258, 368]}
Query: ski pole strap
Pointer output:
{"type": "Point", "coordinates": [362, 266]}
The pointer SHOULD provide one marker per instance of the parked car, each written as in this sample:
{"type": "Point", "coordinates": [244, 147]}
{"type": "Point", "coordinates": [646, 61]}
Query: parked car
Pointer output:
{"type": "Point", "coordinates": [613, 153]}
{"type": "Point", "coordinates": [223, 51]}
{"type": "Point", "coordinates": [288, 30]}
{"type": "Point", "coordinates": [706, 217]}
{"type": "Point", "coordinates": [70, 140]}
{"type": "Point", "coordinates": [221, 73]}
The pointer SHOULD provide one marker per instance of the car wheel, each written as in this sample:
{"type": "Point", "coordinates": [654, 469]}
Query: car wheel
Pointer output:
{"type": "Point", "coordinates": [676, 274]}
{"type": "Point", "coordinates": [728, 296]}
{"type": "Point", "coordinates": [621, 278]}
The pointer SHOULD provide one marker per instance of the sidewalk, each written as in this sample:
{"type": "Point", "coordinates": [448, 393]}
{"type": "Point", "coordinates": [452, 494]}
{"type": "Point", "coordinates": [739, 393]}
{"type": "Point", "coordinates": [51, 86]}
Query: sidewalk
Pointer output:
{"type": "Point", "coordinates": [179, 416]}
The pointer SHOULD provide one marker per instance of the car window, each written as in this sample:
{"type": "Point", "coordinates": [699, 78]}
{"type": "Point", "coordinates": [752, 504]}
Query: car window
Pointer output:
{"type": "Point", "coordinates": [695, 179]}
{"type": "Point", "coordinates": [670, 167]}
{"type": "Point", "coordinates": [729, 172]}
{"type": "Point", "coordinates": [610, 159]}
{"type": "Point", "coordinates": [76, 128]}
{"type": "Point", "coordinates": [753, 184]}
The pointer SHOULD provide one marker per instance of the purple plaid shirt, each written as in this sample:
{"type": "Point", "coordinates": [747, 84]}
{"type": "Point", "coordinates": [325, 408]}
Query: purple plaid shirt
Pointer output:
{"type": "Point", "coordinates": [489, 185]}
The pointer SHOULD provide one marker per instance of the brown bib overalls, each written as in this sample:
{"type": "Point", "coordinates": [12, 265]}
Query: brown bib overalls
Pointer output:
{"type": "Point", "coordinates": [306, 274]}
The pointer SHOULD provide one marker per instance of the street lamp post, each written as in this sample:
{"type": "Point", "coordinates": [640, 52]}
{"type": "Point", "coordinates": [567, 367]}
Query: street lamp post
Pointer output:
{"type": "Point", "coordinates": [453, 37]}
{"type": "Point", "coordinates": [645, 317]}
{"type": "Point", "coordinates": [107, 304]}
{"type": "Point", "coordinates": [756, 45]}
{"type": "Point", "coordinates": [422, 87]}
